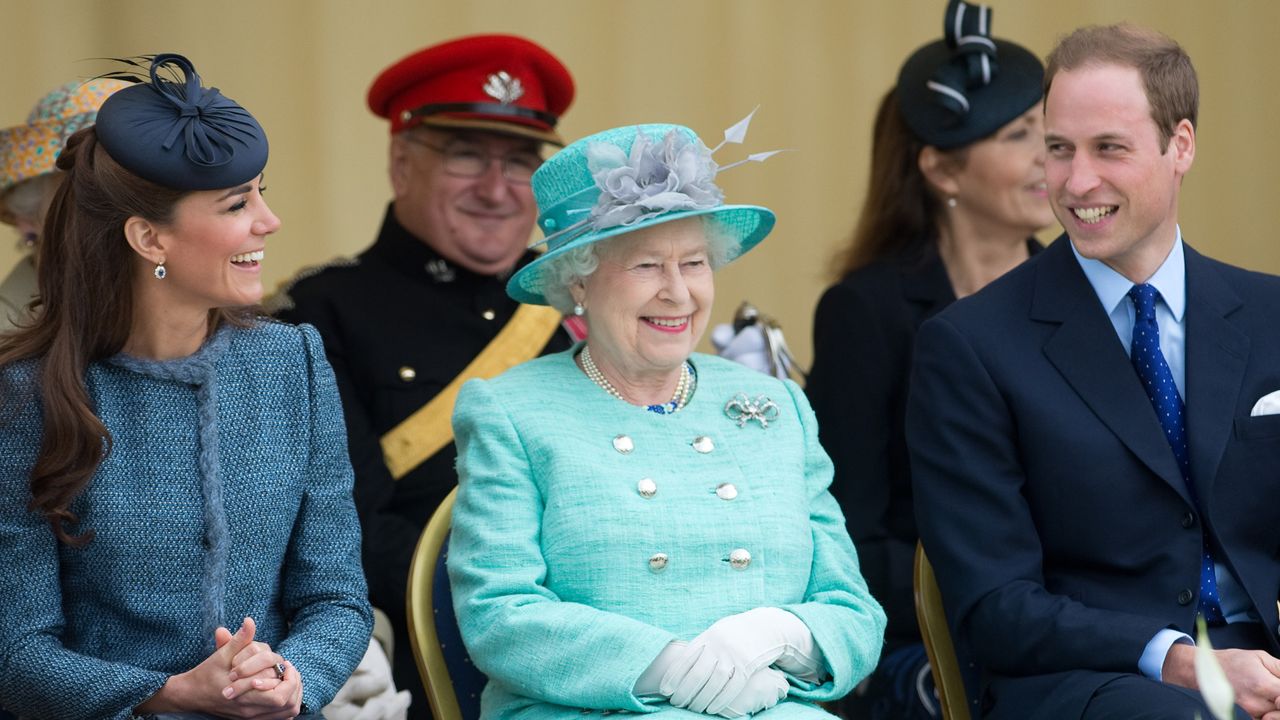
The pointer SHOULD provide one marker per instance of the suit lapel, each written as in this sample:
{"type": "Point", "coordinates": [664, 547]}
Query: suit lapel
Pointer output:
{"type": "Point", "coordinates": [1217, 353]}
{"type": "Point", "coordinates": [1086, 351]}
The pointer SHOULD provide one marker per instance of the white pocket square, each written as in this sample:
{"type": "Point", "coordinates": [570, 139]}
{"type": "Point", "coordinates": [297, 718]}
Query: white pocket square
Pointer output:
{"type": "Point", "coordinates": [1268, 404]}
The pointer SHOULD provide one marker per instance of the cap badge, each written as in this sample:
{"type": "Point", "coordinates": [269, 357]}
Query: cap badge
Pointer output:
{"type": "Point", "coordinates": [504, 88]}
{"type": "Point", "coordinates": [440, 271]}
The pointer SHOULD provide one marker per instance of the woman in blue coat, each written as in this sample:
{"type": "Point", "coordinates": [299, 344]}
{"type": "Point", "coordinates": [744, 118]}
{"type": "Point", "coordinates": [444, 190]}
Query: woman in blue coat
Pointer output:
{"type": "Point", "coordinates": [172, 466]}
{"type": "Point", "coordinates": [640, 527]}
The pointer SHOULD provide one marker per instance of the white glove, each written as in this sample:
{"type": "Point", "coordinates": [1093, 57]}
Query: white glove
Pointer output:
{"type": "Point", "coordinates": [764, 689]}
{"type": "Point", "coordinates": [369, 693]}
{"type": "Point", "coordinates": [747, 347]}
{"type": "Point", "coordinates": [703, 678]}
{"type": "Point", "coordinates": [650, 680]}
{"type": "Point", "coordinates": [390, 705]}
{"type": "Point", "coordinates": [766, 636]}
{"type": "Point", "coordinates": [696, 676]}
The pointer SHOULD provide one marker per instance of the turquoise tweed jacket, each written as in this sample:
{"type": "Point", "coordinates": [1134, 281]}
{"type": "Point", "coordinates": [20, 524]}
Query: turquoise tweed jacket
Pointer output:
{"type": "Point", "coordinates": [568, 580]}
{"type": "Point", "coordinates": [226, 493]}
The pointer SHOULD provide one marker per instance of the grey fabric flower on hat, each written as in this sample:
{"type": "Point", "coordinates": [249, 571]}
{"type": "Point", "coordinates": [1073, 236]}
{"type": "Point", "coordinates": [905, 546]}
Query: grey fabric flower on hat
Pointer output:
{"type": "Point", "coordinates": [655, 178]}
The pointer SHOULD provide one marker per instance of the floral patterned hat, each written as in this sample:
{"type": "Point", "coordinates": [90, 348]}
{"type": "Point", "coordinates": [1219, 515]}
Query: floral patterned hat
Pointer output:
{"type": "Point", "coordinates": [629, 178]}
{"type": "Point", "coordinates": [30, 150]}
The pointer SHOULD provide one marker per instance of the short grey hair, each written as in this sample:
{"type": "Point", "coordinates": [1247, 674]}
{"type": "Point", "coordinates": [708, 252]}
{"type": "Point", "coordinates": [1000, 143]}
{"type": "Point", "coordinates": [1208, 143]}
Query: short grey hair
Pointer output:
{"type": "Point", "coordinates": [578, 263]}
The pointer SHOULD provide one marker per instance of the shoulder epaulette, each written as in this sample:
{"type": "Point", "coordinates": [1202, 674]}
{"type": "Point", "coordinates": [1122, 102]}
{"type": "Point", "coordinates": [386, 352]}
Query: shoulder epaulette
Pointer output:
{"type": "Point", "coordinates": [280, 300]}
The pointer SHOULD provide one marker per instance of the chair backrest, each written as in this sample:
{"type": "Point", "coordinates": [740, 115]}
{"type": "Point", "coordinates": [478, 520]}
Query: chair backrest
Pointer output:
{"type": "Point", "coordinates": [947, 675]}
{"type": "Point", "coordinates": [452, 682]}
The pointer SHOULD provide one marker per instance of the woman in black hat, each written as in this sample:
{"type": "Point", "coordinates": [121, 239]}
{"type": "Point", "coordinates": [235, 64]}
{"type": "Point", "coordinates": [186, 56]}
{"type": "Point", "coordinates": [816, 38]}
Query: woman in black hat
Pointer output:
{"type": "Point", "coordinates": [173, 466]}
{"type": "Point", "coordinates": [956, 193]}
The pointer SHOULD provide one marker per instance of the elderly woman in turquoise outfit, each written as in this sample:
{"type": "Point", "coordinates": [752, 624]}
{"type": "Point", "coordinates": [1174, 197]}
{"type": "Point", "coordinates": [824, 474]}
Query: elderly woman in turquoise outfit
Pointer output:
{"type": "Point", "coordinates": [172, 466]}
{"type": "Point", "coordinates": [640, 527]}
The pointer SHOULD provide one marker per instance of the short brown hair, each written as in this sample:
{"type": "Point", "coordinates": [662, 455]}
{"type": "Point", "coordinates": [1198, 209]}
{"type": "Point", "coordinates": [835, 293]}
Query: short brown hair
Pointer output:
{"type": "Point", "coordinates": [1173, 92]}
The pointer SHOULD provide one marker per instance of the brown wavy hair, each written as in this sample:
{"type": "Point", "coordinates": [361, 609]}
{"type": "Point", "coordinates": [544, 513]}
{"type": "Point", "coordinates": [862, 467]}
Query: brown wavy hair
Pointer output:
{"type": "Point", "coordinates": [86, 272]}
{"type": "Point", "coordinates": [900, 213]}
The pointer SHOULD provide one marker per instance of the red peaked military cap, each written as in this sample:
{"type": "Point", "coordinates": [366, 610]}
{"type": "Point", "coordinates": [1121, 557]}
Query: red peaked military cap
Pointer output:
{"type": "Point", "coordinates": [500, 83]}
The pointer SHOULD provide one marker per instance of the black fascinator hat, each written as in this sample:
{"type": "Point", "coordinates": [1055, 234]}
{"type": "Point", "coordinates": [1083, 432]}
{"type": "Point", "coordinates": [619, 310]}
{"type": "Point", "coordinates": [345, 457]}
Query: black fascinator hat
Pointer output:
{"type": "Point", "coordinates": [175, 133]}
{"type": "Point", "coordinates": [963, 88]}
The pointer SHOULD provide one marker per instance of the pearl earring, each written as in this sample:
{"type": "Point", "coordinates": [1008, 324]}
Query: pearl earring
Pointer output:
{"type": "Point", "coordinates": [951, 202]}
{"type": "Point", "coordinates": [578, 309]}
{"type": "Point", "coordinates": [160, 272]}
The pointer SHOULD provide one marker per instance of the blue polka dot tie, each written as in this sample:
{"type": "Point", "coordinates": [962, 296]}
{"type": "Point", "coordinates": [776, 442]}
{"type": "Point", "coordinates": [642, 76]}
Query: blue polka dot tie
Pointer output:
{"type": "Point", "coordinates": [1158, 382]}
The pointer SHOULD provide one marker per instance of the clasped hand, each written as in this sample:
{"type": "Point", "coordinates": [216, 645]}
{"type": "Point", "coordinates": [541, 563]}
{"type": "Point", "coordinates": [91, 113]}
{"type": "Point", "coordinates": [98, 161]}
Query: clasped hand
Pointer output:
{"type": "Point", "coordinates": [729, 669]}
{"type": "Point", "coordinates": [238, 680]}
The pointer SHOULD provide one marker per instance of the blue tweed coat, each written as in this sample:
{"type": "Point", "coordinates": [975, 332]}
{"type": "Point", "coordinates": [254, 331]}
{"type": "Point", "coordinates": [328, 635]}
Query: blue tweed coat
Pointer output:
{"type": "Point", "coordinates": [226, 493]}
{"type": "Point", "coordinates": [559, 596]}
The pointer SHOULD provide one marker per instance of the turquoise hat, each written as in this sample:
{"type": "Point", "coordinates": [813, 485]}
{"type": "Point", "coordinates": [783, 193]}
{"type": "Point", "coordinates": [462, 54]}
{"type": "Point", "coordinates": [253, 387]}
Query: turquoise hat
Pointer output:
{"type": "Point", "coordinates": [626, 179]}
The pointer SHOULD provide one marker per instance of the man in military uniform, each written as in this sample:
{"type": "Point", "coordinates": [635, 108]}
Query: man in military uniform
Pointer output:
{"type": "Point", "coordinates": [424, 308]}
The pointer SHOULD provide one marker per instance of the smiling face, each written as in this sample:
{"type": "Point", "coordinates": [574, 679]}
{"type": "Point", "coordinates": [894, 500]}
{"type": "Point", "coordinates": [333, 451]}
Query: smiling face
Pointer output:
{"type": "Point", "coordinates": [648, 302]}
{"type": "Point", "coordinates": [481, 223]}
{"type": "Point", "coordinates": [213, 248]}
{"type": "Point", "coordinates": [1113, 183]}
{"type": "Point", "coordinates": [1001, 186]}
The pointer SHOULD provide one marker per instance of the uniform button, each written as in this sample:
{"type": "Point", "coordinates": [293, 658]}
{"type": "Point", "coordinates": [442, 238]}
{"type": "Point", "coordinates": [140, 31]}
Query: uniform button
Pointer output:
{"type": "Point", "coordinates": [739, 559]}
{"type": "Point", "coordinates": [703, 444]}
{"type": "Point", "coordinates": [407, 373]}
{"type": "Point", "coordinates": [726, 491]}
{"type": "Point", "coordinates": [623, 444]}
{"type": "Point", "coordinates": [647, 488]}
{"type": "Point", "coordinates": [488, 314]}
{"type": "Point", "coordinates": [1189, 519]}
{"type": "Point", "coordinates": [1185, 597]}
{"type": "Point", "coordinates": [405, 116]}
{"type": "Point", "coordinates": [658, 562]}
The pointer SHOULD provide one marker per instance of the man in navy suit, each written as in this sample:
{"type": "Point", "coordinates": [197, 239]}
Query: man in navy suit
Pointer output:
{"type": "Point", "coordinates": [1092, 456]}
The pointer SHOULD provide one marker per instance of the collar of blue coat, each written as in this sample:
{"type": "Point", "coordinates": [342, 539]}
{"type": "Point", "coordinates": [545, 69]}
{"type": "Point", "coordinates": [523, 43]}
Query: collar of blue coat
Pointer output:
{"type": "Point", "coordinates": [194, 369]}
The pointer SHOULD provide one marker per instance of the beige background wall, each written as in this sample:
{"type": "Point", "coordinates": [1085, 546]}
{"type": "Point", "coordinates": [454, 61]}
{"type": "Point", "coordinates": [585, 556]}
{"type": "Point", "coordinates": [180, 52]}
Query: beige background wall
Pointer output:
{"type": "Point", "coordinates": [817, 68]}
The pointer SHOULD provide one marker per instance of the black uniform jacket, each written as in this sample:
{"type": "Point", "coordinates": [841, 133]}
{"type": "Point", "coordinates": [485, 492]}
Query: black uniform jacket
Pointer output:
{"type": "Point", "coordinates": [399, 323]}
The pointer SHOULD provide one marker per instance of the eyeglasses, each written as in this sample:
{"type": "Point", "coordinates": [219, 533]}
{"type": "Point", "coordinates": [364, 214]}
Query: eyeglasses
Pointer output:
{"type": "Point", "coordinates": [469, 161]}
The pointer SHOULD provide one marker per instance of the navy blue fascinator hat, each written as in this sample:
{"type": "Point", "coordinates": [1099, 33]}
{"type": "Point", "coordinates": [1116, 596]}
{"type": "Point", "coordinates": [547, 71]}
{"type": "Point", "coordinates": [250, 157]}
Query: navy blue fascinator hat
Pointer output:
{"type": "Point", "coordinates": [171, 131]}
{"type": "Point", "coordinates": [962, 88]}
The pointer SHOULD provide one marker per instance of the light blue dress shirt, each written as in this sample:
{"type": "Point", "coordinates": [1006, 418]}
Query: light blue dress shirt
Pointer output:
{"type": "Point", "coordinates": [1171, 280]}
{"type": "Point", "coordinates": [1113, 291]}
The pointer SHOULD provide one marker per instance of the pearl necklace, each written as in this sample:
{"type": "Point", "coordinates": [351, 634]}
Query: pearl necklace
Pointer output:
{"type": "Point", "coordinates": [684, 387]}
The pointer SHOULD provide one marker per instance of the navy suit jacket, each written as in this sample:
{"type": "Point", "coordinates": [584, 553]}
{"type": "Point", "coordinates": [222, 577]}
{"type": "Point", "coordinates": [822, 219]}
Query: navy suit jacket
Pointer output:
{"type": "Point", "coordinates": [1047, 497]}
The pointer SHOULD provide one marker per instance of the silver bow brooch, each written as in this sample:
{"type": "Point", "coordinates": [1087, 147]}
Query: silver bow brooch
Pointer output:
{"type": "Point", "coordinates": [742, 409]}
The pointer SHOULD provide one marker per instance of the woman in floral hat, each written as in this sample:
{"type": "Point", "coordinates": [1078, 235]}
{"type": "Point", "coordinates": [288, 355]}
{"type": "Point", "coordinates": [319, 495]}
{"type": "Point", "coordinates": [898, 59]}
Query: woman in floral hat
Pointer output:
{"type": "Point", "coordinates": [28, 177]}
{"type": "Point", "coordinates": [640, 527]}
